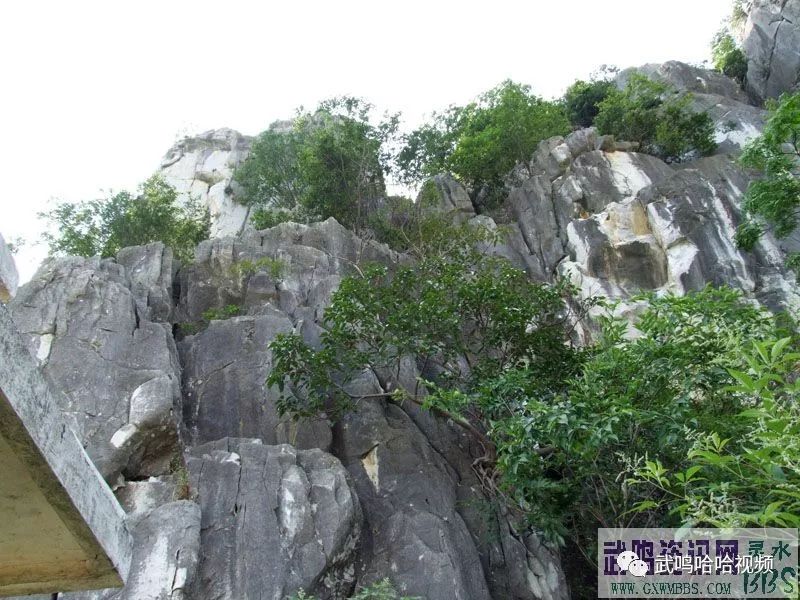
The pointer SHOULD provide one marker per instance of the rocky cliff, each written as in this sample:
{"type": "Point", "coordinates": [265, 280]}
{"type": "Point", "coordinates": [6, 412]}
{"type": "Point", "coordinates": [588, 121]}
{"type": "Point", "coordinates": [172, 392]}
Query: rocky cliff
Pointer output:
{"type": "Point", "coordinates": [228, 500]}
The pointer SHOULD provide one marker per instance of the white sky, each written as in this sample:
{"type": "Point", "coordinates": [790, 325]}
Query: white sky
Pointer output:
{"type": "Point", "coordinates": [96, 92]}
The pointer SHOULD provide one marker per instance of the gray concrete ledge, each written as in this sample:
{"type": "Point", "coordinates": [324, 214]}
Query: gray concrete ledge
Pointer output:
{"type": "Point", "coordinates": [61, 529]}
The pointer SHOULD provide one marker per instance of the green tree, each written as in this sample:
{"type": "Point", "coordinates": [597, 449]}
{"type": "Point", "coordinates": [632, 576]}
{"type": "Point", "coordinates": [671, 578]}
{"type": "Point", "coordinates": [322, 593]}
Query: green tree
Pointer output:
{"type": "Point", "coordinates": [774, 199]}
{"type": "Point", "coordinates": [582, 100]}
{"type": "Point", "coordinates": [727, 57]}
{"type": "Point", "coordinates": [104, 227]}
{"type": "Point", "coordinates": [633, 401]}
{"type": "Point", "coordinates": [482, 142]}
{"type": "Point", "coordinates": [466, 319]}
{"type": "Point", "coordinates": [330, 163]}
{"type": "Point", "coordinates": [650, 113]}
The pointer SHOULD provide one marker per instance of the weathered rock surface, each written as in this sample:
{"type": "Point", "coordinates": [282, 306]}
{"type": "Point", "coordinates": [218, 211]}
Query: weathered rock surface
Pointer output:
{"type": "Point", "coordinates": [202, 167]}
{"type": "Point", "coordinates": [118, 372]}
{"type": "Point", "coordinates": [9, 278]}
{"type": "Point", "coordinates": [151, 270]}
{"type": "Point", "coordinates": [771, 42]}
{"type": "Point", "coordinates": [274, 520]}
{"type": "Point", "coordinates": [571, 179]}
{"type": "Point", "coordinates": [225, 367]}
{"type": "Point", "coordinates": [736, 121]}
{"type": "Point", "coordinates": [166, 551]}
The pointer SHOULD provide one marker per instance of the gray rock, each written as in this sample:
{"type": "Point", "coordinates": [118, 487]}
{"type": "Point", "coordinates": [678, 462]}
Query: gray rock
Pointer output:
{"type": "Point", "coordinates": [771, 40]}
{"type": "Point", "coordinates": [451, 198]}
{"type": "Point", "coordinates": [677, 235]}
{"type": "Point", "coordinates": [166, 552]}
{"type": "Point", "coordinates": [151, 270]}
{"type": "Point", "coordinates": [117, 372]}
{"type": "Point", "coordinates": [225, 370]}
{"type": "Point", "coordinates": [413, 534]}
{"type": "Point", "coordinates": [311, 259]}
{"type": "Point", "coordinates": [8, 273]}
{"type": "Point", "coordinates": [688, 78]}
{"type": "Point", "coordinates": [581, 184]}
{"type": "Point", "coordinates": [202, 167]}
{"type": "Point", "coordinates": [274, 520]}
{"type": "Point", "coordinates": [736, 121]}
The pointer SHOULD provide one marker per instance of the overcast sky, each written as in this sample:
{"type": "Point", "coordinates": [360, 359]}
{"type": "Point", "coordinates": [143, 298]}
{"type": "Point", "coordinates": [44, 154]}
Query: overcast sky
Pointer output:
{"type": "Point", "coordinates": [96, 92]}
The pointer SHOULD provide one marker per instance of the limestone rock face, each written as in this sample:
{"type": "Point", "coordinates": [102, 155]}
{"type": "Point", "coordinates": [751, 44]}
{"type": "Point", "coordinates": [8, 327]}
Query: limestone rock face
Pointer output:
{"type": "Point", "coordinates": [8, 273]}
{"type": "Point", "coordinates": [202, 167]}
{"type": "Point", "coordinates": [771, 42]}
{"type": "Point", "coordinates": [274, 520]}
{"type": "Point", "coordinates": [118, 371]}
{"type": "Point", "coordinates": [736, 121]}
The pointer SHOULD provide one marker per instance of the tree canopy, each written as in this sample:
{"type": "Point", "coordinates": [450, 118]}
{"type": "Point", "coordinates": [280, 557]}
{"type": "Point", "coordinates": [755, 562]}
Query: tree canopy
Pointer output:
{"type": "Point", "coordinates": [659, 118]}
{"type": "Point", "coordinates": [105, 226]}
{"type": "Point", "coordinates": [327, 163]}
{"type": "Point", "coordinates": [483, 141]}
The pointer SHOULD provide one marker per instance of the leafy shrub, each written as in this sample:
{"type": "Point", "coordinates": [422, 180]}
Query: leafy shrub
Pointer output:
{"type": "Point", "coordinates": [750, 478]}
{"type": "Point", "coordinates": [633, 401]}
{"type": "Point", "coordinates": [465, 317]}
{"type": "Point", "coordinates": [328, 163]}
{"type": "Point", "coordinates": [582, 100]}
{"type": "Point", "coordinates": [266, 218]}
{"type": "Point", "coordinates": [481, 142]}
{"type": "Point", "coordinates": [648, 112]}
{"type": "Point", "coordinates": [727, 57]}
{"type": "Point", "coordinates": [104, 227]}
{"type": "Point", "coordinates": [218, 314]}
{"type": "Point", "coordinates": [275, 267]}
{"type": "Point", "coordinates": [774, 199]}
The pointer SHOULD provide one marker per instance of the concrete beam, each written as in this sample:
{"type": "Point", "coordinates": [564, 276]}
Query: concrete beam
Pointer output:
{"type": "Point", "coordinates": [61, 529]}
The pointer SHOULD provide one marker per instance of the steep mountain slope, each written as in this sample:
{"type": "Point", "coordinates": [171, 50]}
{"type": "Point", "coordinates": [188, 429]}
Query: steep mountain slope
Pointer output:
{"type": "Point", "coordinates": [229, 500]}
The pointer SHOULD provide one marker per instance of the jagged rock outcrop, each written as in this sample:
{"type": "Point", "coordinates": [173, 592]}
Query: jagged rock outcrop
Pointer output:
{"type": "Point", "coordinates": [736, 121]}
{"type": "Point", "coordinates": [274, 520]}
{"type": "Point", "coordinates": [229, 500]}
{"type": "Point", "coordinates": [202, 167]}
{"type": "Point", "coordinates": [118, 371]}
{"type": "Point", "coordinates": [770, 42]}
{"type": "Point", "coordinates": [677, 235]}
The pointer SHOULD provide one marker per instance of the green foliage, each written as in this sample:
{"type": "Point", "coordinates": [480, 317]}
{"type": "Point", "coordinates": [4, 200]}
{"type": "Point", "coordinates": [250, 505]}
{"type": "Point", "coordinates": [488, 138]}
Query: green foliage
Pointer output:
{"type": "Point", "coordinates": [481, 142]}
{"type": "Point", "coordinates": [265, 218]}
{"type": "Point", "coordinates": [330, 163]}
{"type": "Point", "coordinates": [774, 199]}
{"type": "Point", "coordinates": [104, 227]}
{"type": "Point", "coordinates": [467, 319]}
{"type": "Point", "coordinates": [648, 112]}
{"type": "Point", "coordinates": [218, 314]}
{"type": "Point", "coordinates": [582, 100]}
{"type": "Point", "coordinates": [632, 401]}
{"type": "Point", "coordinates": [382, 590]}
{"type": "Point", "coordinates": [274, 267]}
{"type": "Point", "coordinates": [749, 477]}
{"type": "Point", "coordinates": [727, 57]}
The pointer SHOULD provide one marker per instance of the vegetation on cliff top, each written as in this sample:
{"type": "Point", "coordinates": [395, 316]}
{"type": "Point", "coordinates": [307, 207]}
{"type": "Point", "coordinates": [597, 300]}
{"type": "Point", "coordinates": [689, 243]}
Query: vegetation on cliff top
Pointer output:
{"type": "Point", "coordinates": [104, 227]}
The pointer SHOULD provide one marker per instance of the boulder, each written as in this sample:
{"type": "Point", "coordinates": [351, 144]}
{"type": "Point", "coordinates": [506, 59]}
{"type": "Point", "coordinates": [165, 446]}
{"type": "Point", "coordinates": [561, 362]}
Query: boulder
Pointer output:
{"type": "Point", "coordinates": [274, 520]}
{"type": "Point", "coordinates": [770, 42]}
{"type": "Point", "coordinates": [118, 372]}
